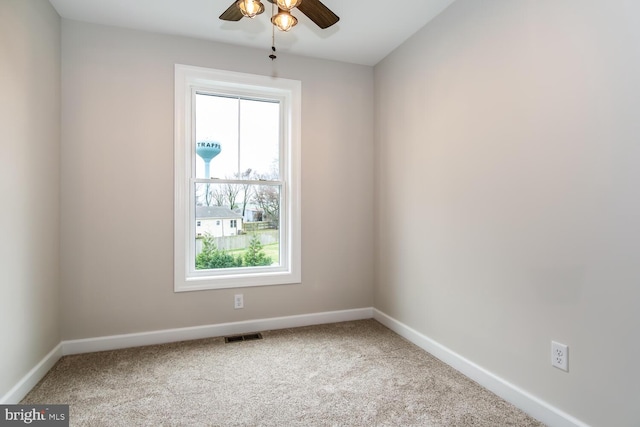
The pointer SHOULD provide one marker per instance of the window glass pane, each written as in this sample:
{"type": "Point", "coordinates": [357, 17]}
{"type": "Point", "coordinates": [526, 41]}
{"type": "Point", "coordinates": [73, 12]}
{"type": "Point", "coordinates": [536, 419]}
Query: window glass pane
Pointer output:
{"type": "Point", "coordinates": [237, 225]}
{"type": "Point", "coordinates": [216, 136]}
{"type": "Point", "coordinates": [237, 138]}
{"type": "Point", "coordinates": [259, 138]}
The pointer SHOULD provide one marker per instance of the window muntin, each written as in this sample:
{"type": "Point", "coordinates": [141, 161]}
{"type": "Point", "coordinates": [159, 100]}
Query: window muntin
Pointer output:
{"type": "Point", "coordinates": [254, 121]}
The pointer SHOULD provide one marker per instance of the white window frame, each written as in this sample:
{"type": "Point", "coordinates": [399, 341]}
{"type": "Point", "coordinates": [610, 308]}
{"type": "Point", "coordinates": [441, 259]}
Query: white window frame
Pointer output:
{"type": "Point", "coordinates": [188, 80]}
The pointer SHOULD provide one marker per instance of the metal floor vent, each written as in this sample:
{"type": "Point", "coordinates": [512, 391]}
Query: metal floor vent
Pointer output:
{"type": "Point", "coordinates": [247, 337]}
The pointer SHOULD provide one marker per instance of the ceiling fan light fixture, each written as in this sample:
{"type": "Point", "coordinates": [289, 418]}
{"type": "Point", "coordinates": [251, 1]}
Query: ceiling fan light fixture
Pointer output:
{"type": "Point", "coordinates": [288, 4]}
{"type": "Point", "coordinates": [284, 20]}
{"type": "Point", "coordinates": [250, 8]}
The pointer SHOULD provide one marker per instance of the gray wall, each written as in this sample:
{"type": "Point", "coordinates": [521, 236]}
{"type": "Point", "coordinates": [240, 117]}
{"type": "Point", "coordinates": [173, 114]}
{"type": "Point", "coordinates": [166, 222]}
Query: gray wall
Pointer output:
{"type": "Point", "coordinates": [29, 185]}
{"type": "Point", "coordinates": [509, 131]}
{"type": "Point", "coordinates": [117, 184]}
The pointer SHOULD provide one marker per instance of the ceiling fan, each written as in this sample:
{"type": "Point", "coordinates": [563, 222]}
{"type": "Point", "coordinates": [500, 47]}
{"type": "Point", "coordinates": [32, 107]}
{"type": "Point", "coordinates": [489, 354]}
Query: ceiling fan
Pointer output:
{"type": "Point", "coordinates": [320, 14]}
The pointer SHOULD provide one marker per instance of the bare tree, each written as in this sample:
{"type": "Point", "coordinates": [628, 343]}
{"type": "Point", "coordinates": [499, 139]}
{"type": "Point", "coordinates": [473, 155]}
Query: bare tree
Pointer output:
{"type": "Point", "coordinates": [267, 197]}
{"type": "Point", "coordinates": [203, 195]}
{"type": "Point", "coordinates": [246, 190]}
{"type": "Point", "coordinates": [218, 195]}
{"type": "Point", "coordinates": [231, 193]}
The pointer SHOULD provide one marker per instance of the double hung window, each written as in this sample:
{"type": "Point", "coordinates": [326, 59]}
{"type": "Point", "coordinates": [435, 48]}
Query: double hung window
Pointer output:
{"type": "Point", "coordinates": [237, 181]}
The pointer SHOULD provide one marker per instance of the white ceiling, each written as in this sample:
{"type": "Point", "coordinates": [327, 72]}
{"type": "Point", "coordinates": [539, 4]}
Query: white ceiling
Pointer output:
{"type": "Point", "coordinates": [368, 30]}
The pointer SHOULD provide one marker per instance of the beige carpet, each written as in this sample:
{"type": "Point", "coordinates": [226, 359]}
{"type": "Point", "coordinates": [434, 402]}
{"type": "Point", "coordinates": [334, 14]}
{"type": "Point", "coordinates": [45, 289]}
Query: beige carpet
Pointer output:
{"type": "Point", "coordinates": [345, 374]}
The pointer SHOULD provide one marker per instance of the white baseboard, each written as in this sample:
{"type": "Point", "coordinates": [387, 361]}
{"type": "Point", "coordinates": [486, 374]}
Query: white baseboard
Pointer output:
{"type": "Point", "coordinates": [20, 390]}
{"type": "Point", "coordinates": [114, 342]}
{"type": "Point", "coordinates": [24, 386]}
{"type": "Point", "coordinates": [530, 404]}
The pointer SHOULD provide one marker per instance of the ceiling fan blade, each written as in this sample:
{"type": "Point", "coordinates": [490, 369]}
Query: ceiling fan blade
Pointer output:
{"type": "Point", "coordinates": [320, 14]}
{"type": "Point", "coordinates": [233, 13]}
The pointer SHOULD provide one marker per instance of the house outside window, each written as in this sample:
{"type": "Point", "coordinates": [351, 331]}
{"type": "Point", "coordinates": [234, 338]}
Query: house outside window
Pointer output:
{"type": "Point", "coordinates": [237, 181]}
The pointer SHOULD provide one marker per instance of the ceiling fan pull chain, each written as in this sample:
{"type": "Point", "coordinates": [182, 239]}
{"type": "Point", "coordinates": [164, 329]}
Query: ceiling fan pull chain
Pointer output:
{"type": "Point", "coordinates": [273, 38]}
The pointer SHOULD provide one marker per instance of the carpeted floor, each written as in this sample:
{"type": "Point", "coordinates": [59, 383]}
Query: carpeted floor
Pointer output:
{"type": "Point", "coordinates": [345, 374]}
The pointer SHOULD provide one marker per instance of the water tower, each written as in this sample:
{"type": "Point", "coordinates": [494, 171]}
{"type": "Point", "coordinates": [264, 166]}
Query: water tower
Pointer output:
{"type": "Point", "coordinates": [207, 150]}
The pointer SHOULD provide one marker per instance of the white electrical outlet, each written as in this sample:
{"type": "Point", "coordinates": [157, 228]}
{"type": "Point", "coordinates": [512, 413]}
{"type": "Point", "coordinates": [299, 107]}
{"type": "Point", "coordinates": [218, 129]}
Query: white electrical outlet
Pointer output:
{"type": "Point", "coordinates": [560, 356]}
{"type": "Point", "coordinates": [238, 301]}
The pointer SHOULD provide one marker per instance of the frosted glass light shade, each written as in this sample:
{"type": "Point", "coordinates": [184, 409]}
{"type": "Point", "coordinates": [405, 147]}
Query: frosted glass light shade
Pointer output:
{"type": "Point", "coordinates": [250, 8]}
{"type": "Point", "coordinates": [288, 4]}
{"type": "Point", "coordinates": [284, 20]}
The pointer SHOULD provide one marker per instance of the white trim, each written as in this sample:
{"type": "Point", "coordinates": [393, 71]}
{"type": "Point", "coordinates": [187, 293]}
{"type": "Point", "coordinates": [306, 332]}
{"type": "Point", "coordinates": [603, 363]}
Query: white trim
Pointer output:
{"type": "Point", "coordinates": [115, 342]}
{"type": "Point", "coordinates": [24, 386]}
{"type": "Point", "coordinates": [529, 403]}
{"type": "Point", "coordinates": [189, 80]}
{"type": "Point", "coordinates": [532, 405]}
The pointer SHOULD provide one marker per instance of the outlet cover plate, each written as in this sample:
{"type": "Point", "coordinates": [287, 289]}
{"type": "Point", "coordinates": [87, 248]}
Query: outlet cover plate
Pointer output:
{"type": "Point", "coordinates": [238, 301]}
{"type": "Point", "coordinates": [560, 356]}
